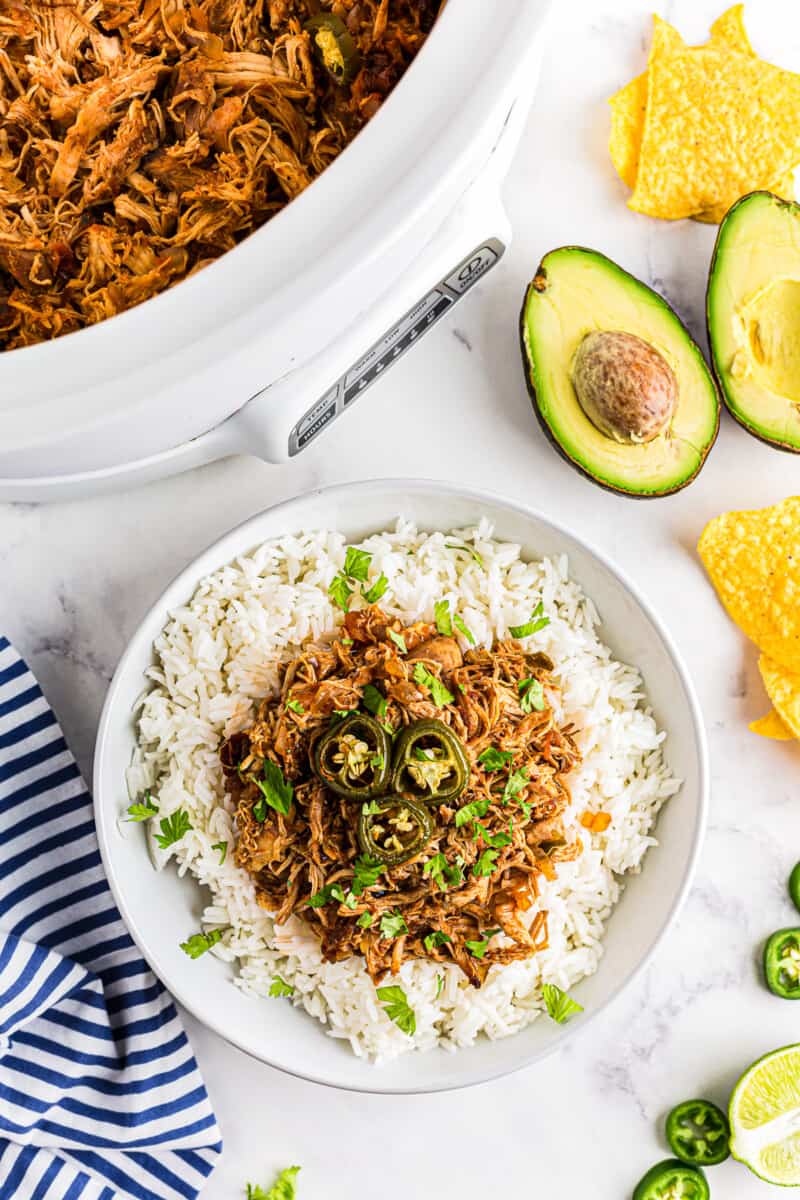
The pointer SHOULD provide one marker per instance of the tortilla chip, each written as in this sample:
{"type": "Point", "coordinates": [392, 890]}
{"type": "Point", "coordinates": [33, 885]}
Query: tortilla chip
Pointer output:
{"type": "Point", "coordinates": [629, 104]}
{"type": "Point", "coordinates": [772, 726]}
{"type": "Point", "coordinates": [753, 560]}
{"type": "Point", "coordinates": [717, 125]}
{"type": "Point", "coordinates": [783, 689]}
{"type": "Point", "coordinates": [784, 188]}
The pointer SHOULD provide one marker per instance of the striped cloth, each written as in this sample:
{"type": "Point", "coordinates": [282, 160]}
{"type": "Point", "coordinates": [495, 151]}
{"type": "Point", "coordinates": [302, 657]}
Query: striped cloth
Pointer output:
{"type": "Point", "coordinates": [100, 1095]}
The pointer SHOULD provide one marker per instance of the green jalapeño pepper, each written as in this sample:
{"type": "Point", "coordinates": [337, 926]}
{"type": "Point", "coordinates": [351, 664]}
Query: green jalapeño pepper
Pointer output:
{"type": "Point", "coordinates": [353, 758]}
{"type": "Point", "coordinates": [394, 829]}
{"type": "Point", "coordinates": [429, 763]}
{"type": "Point", "coordinates": [782, 964]}
{"type": "Point", "coordinates": [672, 1180]}
{"type": "Point", "coordinates": [335, 47]}
{"type": "Point", "coordinates": [698, 1133]}
{"type": "Point", "coordinates": [794, 887]}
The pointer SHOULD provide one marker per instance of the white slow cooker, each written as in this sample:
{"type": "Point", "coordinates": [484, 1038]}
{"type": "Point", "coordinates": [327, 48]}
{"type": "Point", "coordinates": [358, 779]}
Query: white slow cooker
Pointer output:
{"type": "Point", "coordinates": [263, 349]}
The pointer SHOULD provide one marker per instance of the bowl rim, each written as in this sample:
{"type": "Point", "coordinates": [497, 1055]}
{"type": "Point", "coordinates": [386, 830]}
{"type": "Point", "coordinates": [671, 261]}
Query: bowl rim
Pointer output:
{"type": "Point", "coordinates": [188, 577]}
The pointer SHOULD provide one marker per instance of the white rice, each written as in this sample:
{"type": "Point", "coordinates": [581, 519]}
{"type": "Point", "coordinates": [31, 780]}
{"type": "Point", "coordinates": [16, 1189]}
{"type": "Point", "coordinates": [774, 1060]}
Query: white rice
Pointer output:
{"type": "Point", "coordinates": [219, 655]}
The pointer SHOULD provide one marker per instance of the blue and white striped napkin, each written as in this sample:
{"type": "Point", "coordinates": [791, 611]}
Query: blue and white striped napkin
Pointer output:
{"type": "Point", "coordinates": [100, 1094]}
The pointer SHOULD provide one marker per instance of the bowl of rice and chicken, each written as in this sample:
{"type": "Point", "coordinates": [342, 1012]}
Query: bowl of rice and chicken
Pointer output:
{"type": "Point", "coordinates": [431, 785]}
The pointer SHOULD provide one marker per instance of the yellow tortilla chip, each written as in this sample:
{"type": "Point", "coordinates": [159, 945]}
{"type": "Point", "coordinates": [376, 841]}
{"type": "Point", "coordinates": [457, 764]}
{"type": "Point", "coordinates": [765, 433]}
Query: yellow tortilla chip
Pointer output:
{"type": "Point", "coordinates": [629, 104]}
{"type": "Point", "coordinates": [783, 689]}
{"type": "Point", "coordinates": [717, 125]}
{"type": "Point", "coordinates": [753, 560]}
{"type": "Point", "coordinates": [772, 726]}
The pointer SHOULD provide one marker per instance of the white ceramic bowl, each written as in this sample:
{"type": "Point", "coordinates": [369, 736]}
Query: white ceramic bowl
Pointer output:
{"type": "Point", "coordinates": [159, 908]}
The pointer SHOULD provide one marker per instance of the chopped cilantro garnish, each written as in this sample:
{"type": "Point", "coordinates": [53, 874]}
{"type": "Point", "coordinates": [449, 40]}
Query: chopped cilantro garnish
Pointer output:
{"type": "Point", "coordinates": [331, 891]}
{"type": "Point", "coordinates": [473, 553]}
{"type": "Point", "coordinates": [366, 873]}
{"type": "Point", "coordinates": [441, 615]}
{"type": "Point", "coordinates": [370, 807]}
{"type": "Point", "coordinates": [198, 943]}
{"type": "Point", "coordinates": [437, 938]}
{"type": "Point", "coordinates": [462, 628]}
{"type": "Point", "coordinates": [173, 828]}
{"type": "Point", "coordinates": [516, 782]}
{"type": "Point", "coordinates": [279, 987]}
{"type": "Point", "coordinates": [536, 622]}
{"type": "Point", "coordinates": [439, 693]}
{"type": "Point", "coordinates": [398, 640]}
{"type": "Point", "coordinates": [397, 1008]}
{"type": "Point", "coordinates": [393, 925]}
{"type": "Point", "coordinates": [472, 811]}
{"type": "Point", "coordinates": [340, 592]}
{"type": "Point", "coordinates": [494, 841]}
{"type": "Point", "coordinates": [295, 706]}
{"type": "Point", "coordinates": [223, 850]}
{"type": "Point", "coordinates": [141, 812]}
{"type": "Point", "coordinates": [478, 948]}
{"type": "Point", "coordinates": [365, 920]}
{"type": "Point", "coordinates": [356, 563]}
{"type": "Point", "coordinates": [560, 1006]}
{"type": "Point", "coordinates": [373, 594]}
{"type": "Point", "coordinates": [442, 873]}
{"type": "Point", "coordinates": [531, 695]}
{"type": "Point", "coordinates": [439, 986]}
{"type": "Point", "coordinates": [374, 702]}
{"type": "Point", "coordinates": [339, 714]}
{"type": "Point", "coordinates": [486, 864]}
{"type": "Point", "coordinates": [494, 760]}
{"type": "Point", "coordinates": [346, 641]}
{"type": "Point", "coordinates": [276, 792]}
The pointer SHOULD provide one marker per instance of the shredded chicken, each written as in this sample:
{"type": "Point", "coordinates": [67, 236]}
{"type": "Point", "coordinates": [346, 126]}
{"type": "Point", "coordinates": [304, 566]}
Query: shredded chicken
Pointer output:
{"type": "Point", "coordinates": [488, 892]}
{"type": "Point", "coordinates": [141, 139]}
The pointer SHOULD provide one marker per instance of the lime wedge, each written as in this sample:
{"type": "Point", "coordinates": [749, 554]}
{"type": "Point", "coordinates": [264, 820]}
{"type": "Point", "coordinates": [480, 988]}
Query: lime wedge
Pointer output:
{"type": "Point", "coordinates": [765, 1117]}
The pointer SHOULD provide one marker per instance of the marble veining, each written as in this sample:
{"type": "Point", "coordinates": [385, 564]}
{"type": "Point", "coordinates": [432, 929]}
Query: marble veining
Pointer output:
{"type": "Point", "coordinates": [76, 578]}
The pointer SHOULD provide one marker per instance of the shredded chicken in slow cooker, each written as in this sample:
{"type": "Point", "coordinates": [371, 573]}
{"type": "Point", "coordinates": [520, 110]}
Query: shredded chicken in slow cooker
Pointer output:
{"type": "Point", "coordinates": [141, 139]}
{"type": "Point", "coordinates": [473, 878]}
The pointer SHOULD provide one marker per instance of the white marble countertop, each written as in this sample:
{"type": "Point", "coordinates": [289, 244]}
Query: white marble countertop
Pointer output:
{"type": "Point", "coordinates": [76, 578]}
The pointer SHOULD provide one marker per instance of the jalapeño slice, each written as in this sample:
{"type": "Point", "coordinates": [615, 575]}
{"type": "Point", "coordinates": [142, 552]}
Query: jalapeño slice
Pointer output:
{"type": "Point", "coordinates": [698, 1133]}
{"type": "Point", "coordinates": [429, 763]}
{"type": "Point", "coordinates": [353, 758]}
{"type": "Point", "coordinates": [782, 964]}
{"type": "Point", "coordinates": [672, 1180]}
{"type": "Point", "coordinates": [334, 46]}
{"type": "Point", "coordinates": [394, 829]}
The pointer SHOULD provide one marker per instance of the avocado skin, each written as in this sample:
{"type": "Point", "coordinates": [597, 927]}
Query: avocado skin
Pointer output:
{"type": "Point", "coordinates": [719, 375]}
{"type": "Point", "coordinates": [541, 274]}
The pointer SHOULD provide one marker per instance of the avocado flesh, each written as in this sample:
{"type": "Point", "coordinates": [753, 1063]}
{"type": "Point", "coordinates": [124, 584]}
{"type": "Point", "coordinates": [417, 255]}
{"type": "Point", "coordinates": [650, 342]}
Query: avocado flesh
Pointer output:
{"type": "Point", "coordinates": [579, 291]}
{"type": "Point", "coordinates": [754, 317]}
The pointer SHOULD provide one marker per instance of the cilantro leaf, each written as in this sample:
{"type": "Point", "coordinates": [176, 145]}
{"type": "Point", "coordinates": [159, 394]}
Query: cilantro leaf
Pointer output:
{"type": "Point", "coordinates": [493, 841]}
{"type": "Point", "coordinates": [536, 622]}
{"type": "Point", "coordinates": [470, 550]}
{"type": "Point", "coordinates": [398, 640]}
{"type": "Point", "coordinates": [462, 628]}
{"type": "Point", "coordinates": [282, 1189]}
{"type": "Point", "coordinates": [397, 1008]}
{"type": "Point", "coordinates": [478, 948]}
{"type": "Point", "coordinates": [366, 873]}
{"type": "Point", "coordinates": [340, 592]}
{"type": "Point", "coordinates": [198, 943]}
{"type": "Point", "coordinates": [560, 1006]}
{"type": "Point", "coordinates": [486, 864]}
{"type": "Point", "coordinates": [173, 828]}
{"type": "Point", "coordinates": [441, 615]}
{"type": "Point", "coordinates": [371, 808]}
{"type": "Point", "coordinates": [516, 782]}
{"type": "Point", "coordinates": [373, 594]}
{"type": "Point", "coordinates": [442, 873]}
{"type": "Point", "coordinates": [356, 564]}
{"type": "Point", "coordinates": [393, 925]}
{"type": "Point", "coordinates": [331, 891]}
{"type": "Point", "coordinates": [439, 986]}
{"type": "Point", "coordinates": [494, 760]}
{"type": "Point", "coordinates": [295, 706]}
{"type": "Point", "coordinates": [365, 920]}
{"type": "Point", "coordinates": [373, 701]}
{"type": "Point", "coordinates": [223, 850]}
{"type": "Point", "coordinates": [279, 987]}
{"type": "Point", "coordinates": [141, 812]}
{"type": "Point", "coordinates": [276, 791]}
{"type": "Point", "coordinates": [472, 811]}
{"type": "Point", "coordinates": [531, 695]}
{"type": "Point", "coordinates": [439, 693]}
{"type": "Point", "coordinates": [434, 939]}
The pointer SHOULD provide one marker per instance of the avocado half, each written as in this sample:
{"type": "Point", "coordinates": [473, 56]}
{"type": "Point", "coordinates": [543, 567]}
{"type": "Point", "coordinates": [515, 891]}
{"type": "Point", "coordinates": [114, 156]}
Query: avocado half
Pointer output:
{"type": "Point", "coordinates": [576, 292]}
{"type": "Point", "coordinates": [753, 311]}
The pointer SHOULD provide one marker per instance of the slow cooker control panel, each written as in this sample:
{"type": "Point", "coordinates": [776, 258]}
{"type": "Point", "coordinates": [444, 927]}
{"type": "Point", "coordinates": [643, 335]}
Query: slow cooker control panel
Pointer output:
{"type": "Point", "coordinates": [394, 343]}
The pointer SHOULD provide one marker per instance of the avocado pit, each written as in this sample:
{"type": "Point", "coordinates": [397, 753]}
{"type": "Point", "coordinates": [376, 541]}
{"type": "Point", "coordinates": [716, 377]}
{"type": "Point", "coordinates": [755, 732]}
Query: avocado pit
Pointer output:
{"type": "Point", "coordinates": [624, 385]}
